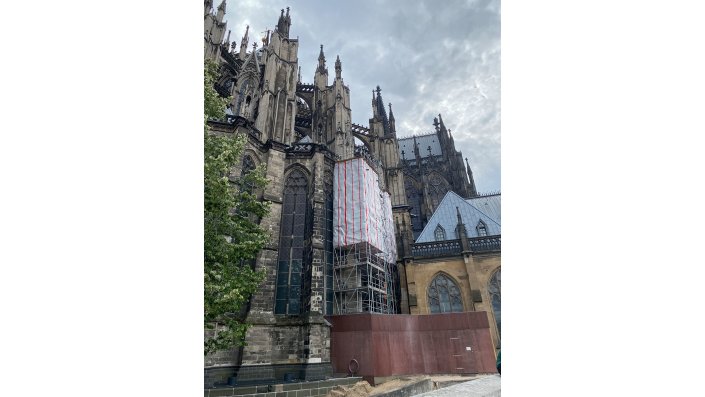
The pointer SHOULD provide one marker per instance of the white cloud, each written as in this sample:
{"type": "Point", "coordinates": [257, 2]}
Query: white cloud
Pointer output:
{"type": "Point", "coordinates": [428, 57]}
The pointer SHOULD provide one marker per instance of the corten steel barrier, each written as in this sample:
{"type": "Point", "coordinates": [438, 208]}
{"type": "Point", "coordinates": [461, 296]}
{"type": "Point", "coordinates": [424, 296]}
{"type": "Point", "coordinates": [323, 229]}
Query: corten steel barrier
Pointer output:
{"type": "Point", "coordinates": [403, 344]}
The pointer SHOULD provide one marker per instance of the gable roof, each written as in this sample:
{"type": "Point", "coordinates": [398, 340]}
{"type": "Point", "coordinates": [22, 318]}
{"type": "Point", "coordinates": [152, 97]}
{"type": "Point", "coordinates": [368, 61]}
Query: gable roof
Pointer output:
{"type": "Point", "coordinates": [490, 205]}
{"type": "Point", "coordinates": [472, 211]}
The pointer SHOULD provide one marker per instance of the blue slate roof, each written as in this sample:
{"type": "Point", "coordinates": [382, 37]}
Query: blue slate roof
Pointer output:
{"type": "Point", "coordinates": [423, 141]}
{"type": "Point", "coordinates": [486, 209]}
{"type": "Point", "coordinates": [489, 205]}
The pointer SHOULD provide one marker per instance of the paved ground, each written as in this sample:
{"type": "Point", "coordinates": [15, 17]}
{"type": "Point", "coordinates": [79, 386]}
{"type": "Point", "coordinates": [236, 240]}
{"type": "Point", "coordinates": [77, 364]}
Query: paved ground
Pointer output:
{"type": "Point", "coordinates": [488, 386]}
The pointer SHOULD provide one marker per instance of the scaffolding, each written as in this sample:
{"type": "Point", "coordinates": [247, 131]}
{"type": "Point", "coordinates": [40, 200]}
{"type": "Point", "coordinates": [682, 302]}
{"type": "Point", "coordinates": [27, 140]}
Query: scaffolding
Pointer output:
{"type": "Point", "coordinates": [364, 243]}
{"type": "Point", "coordinates": [362, 281]}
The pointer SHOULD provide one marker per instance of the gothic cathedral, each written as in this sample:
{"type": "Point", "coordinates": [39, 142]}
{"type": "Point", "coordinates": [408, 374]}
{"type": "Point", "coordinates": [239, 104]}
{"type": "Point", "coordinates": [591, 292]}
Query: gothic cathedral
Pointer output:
{"type": "Point", "coordinates": [300, 130]}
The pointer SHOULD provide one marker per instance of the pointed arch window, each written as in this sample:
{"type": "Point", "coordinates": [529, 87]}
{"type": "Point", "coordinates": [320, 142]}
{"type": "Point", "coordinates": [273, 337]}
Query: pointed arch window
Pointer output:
{"type": "Point", "coordinates": [241, 97]}
{"type": "Point", "coordinates": [439, 233]}
{"type": "Point", "coordinates": [248, 165]}
{"type": "Point", "coordinates": [481, 229]}
{"type": "Point", "coordinates": [414, 198]}
{"type": "Point", "coordinates": [444, 295]}
{"type": "Point", "coordinates": [437, 189]}
{"type": "Point", "coordinates": [293, 245]}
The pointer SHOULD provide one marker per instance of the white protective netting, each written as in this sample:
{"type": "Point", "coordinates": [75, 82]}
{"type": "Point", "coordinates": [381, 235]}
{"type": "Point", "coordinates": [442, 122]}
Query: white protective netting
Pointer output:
{"type": "Point", "coordinates": [362, 211]}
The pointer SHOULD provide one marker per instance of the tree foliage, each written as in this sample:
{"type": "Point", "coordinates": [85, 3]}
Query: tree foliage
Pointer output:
{"type": "Point", "coordinates": [232, 235]}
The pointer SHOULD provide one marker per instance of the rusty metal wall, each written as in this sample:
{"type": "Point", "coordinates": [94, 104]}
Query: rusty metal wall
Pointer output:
{"type": "Point", "coordinates": [403, 344]}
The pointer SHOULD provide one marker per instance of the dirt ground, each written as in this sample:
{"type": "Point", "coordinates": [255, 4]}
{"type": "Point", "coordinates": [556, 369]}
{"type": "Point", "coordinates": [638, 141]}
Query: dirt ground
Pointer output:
{"type": "Point", "coordinates": [363, 389]}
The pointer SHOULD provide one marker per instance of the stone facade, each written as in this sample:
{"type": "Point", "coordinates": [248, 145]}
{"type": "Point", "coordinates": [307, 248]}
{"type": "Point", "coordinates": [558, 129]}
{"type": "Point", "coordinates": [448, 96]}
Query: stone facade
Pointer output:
{"type": "Point", "coordinates": [470, 271]}
{"type": "Point", "coordinates": [299, 130]}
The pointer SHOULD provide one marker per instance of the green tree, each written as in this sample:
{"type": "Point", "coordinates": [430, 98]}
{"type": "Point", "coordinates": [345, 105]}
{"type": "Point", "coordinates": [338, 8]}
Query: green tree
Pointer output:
{"type": "Point", "coordinates": [232, 236]}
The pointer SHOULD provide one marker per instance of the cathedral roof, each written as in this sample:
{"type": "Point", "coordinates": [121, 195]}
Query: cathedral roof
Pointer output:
{"type": "Point", "coordinates": [491, 205]}
{"type": "Point", "coordinates": [472, 211]}
{"type": "Point", "coordinates": [423, 141]}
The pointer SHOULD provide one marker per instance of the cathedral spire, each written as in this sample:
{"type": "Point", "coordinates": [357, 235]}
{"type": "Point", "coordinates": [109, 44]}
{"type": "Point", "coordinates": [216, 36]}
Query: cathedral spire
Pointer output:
{"type": "Point", "coordinates": [381, 111]}
{"type": "Point", "coordinates": [443, 136]}
{"type": "Point", "coordinates": [284, 23]}
{"type": "Point", "coordinates": [443, 126]}
{"type": "Point", "coordinates": [244, 42]}
{"type": "Point", "coordinates": [321, 63]}
{"type": "Point", "coordinates": [392, 126]}
{"type": "Point", "coordinates": [417, 153]}
{"type": "Point", "coordinates": [338, 68]}
{"type": "Point", "coordinates": [320, 78]}
{"type": "Point", "coordinates": [221, 11]}
{"type": "Point", "coordinates": [473, 191]}
{"type": "Point", "coordinates": [246, 38]}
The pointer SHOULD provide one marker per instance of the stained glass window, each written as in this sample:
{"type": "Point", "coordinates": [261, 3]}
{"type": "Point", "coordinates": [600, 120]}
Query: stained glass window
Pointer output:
{"type": "Point", "coordinates": [444, 295]}
{"type": "Point", "coordinates": [414, 198]}
{"type": "Point", "coordinates": [437, 189]}
{"type": "Point", "coordinates": [292, 251]}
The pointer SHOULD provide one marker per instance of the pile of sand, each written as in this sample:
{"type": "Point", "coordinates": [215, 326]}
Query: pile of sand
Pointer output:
{"type": "Point", "coordinates": [359, 389]}
{"type": "Point", "coordinates": [363, 389]}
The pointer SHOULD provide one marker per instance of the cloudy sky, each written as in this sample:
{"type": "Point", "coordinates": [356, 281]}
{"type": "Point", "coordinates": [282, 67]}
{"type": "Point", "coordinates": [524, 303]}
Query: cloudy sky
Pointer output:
{"type": "Point", "coordinates": [428, 57]}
